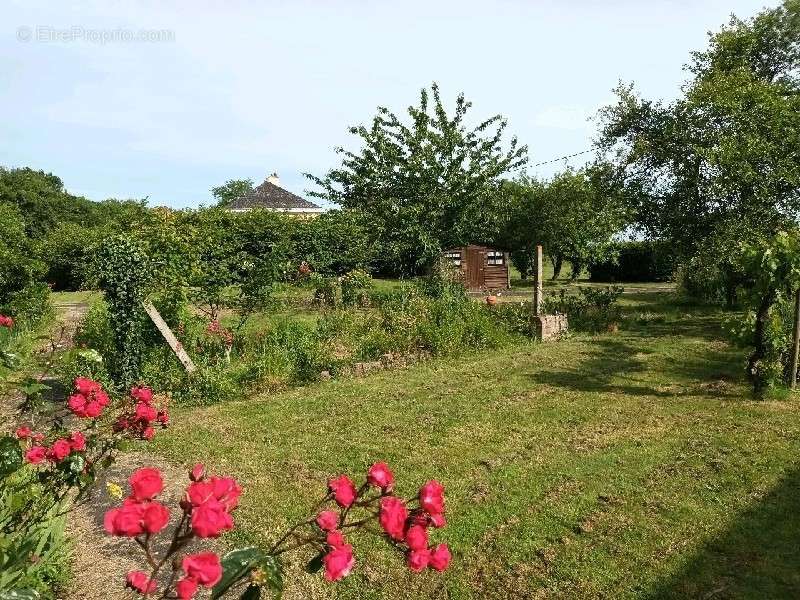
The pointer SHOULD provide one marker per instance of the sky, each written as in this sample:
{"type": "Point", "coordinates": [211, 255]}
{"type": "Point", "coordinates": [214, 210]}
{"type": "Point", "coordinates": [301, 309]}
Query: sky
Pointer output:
{"type": "Point", "coordinates": [165, 100]}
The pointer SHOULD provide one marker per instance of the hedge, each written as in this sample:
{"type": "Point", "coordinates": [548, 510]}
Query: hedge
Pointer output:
{"type": "Point", "coordinates": [635, 262]}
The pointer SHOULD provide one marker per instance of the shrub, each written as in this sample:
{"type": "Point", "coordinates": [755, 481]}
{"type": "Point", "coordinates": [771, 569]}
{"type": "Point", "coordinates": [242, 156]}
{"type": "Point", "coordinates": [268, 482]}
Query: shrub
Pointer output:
{"type": "Point", "coordinates": [31, 305]}
{"type": "Point", "coordinates": [327, 290]}
{"type": "Point", "coordinates": [591, 309]}
{"type": "Point", "coordinates": [635, 262]}
{"type": "Point", "coordinates": [67, 250]}
{"type": "Point", "coordinates": [356, 287]}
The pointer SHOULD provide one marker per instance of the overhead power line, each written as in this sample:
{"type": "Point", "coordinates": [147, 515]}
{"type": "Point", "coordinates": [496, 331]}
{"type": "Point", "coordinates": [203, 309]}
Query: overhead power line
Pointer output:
{"type": "Point", "coordinates": [547, 162]}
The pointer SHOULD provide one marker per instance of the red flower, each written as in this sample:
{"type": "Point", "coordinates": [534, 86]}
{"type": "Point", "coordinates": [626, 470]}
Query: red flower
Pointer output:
{"type": "Point", "coordinates": [335, 539]}
{"type": "Point", "coordinates": [23, 432]}
{"type": "Point", "coordinates": [227, 491]}
{"type": "Point", "coordinates": [59, 450]}
{"type": "Point", "coordinates": [438, 520]}
{"type": "Point", "coordinates": [77, 404]}
{"type": "Point", "coordinates": [125, 520]}
{"type": "Point", "coordinates": [185, 589]}
{"type": "Point", "coordinates": [210, 519]}
{"type": "Point", "coordinates": [6, 321]}
{"type": "Point", "coordinates": [142, 394]}
{"type": "Point", "coordinates": [148, 433]}
{"type": "Point", "coordinates": [203, 568]}
{"type": "Point", "coordinates": [77, 441]}
{"type": "Point", "coordinates": [344, 490]}
{"type": "Point", "coordinates": [380, 476]}
{"type": "Point", "coordinates": [417, 537]}
{"type": "Point", "coordinates": [199, 492]}
{"type": "Point", "coordinates": [162, 417]}
{"type": "Point", "coordinates": [145, 412]}
{"type": "Point", "coordinates": [431, 497]}
{"type": "Point", "coordinates": [154, 517]}
{"type": "Point", "coordinates": [418, 560]}
{"type": "Point", "coordinates": [146, 483]}
{"type": "Point", "coordinates": [198, 472]}
{"type": "Point", "coordinates": [86, 386]}
{"type": "Point", "coordinates": [35, 454]}
{"type": "Point", "coordinates": [393, 515]}
{"type": "Point", "coordinates": [93, 409]}
{"type": "Point", "coordinates": [338, 562]}
{"type": "Point", "coordinates": [140, 582]}
{"type": "Point", "coordinates": [327, 520]}
{"type": "Point", "coordinates": [440, 557]}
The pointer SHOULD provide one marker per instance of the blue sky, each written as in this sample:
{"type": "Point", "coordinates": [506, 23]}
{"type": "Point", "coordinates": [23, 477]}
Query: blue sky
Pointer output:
{"type": "Point", "coordinates": [240, 89]}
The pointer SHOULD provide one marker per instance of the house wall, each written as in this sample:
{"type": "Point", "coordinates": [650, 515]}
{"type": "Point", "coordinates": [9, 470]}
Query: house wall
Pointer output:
{"type": "Point", "coordinates": [494, 277]}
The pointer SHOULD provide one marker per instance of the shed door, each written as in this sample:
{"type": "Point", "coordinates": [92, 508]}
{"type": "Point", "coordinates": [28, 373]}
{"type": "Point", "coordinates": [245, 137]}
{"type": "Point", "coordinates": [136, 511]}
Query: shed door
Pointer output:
{"type": "Point", "coordinates": [475, 268]}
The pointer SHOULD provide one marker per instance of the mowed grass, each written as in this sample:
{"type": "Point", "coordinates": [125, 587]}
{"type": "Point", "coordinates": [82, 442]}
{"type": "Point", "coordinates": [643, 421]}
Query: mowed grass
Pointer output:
{"type": "Point", "coordinates": [628, 465]}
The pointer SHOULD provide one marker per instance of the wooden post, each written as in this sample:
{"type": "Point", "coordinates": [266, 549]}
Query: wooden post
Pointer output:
{"type": "Point", "coordinates": [537, 287]}
{"type": "Point", "coordinates": [173, 342]}
{"type": "Point", "coordinates": [796, 341]}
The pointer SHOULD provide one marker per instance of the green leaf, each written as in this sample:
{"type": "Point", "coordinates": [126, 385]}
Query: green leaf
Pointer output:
{"type": "Point", "coordinates": [236, 565]}
{"type": "Point", "coordinates": [9, 359]}
{"type": "Point", "coordinates": [20, 595]}
{"type": "Point", "coordinates": [34, 388]}
{"type": "Point", "coordinates": [315, 564]}
{"type": "Point", "coordinates": [273, 573]}
{"type": "Point", "coordinates": [10, 455]}
{"type": "Point", "coordinates": [253, 592]}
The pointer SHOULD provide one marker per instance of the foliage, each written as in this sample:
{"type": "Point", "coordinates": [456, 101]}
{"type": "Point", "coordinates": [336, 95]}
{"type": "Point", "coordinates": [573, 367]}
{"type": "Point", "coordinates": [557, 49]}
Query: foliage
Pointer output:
{"type": "Point", "coordinates": [231, 190]}
{"type": "Point", "coordinates": [123, 272]}
{"type": "Point", "coordinates": [356, 286]}
{"type": "Point", "coordinates": [427, 184]}
{"type": "Point", "coordinates": [635, 262]}
{"type": "Point", "coordinates": [327, 290]}
{"type": "Point", "coordinates": [335, 242]}
{"type": "Point", "coordinates": [19, 265]}
{"type": "Point", "coordinates": [591, 309]}
{"type": "Point", "coordinates": [68, 250]}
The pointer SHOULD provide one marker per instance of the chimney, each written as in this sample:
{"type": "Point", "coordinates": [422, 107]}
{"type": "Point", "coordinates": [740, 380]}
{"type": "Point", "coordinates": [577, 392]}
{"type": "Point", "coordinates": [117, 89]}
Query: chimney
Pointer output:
{"type": "Point", "coordinates": [274, 180]}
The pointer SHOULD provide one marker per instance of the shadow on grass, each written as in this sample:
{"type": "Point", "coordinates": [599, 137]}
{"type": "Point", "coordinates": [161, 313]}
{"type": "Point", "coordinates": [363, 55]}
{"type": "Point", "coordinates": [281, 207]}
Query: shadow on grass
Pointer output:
{"type": "Point", "coordinates": [758, 556]}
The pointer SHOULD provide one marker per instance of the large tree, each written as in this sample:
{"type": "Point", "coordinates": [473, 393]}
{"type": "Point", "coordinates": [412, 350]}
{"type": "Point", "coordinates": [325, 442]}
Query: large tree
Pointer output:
{"type": "Point", "coordinates": [723, 159]}
{"type": "Point", "coordinates": [427, 183]}
{"type": "Point", "coordinates": [231, 190]}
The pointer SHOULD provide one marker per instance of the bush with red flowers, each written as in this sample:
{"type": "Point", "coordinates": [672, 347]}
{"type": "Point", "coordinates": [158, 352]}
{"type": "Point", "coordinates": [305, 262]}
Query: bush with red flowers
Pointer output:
{"type": "Point", "coordinates": [205, 511]}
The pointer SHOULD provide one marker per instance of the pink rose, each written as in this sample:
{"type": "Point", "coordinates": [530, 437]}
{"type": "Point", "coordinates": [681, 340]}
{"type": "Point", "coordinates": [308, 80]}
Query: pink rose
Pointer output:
{"type": "Point", "coordinates": [227, 491]}
{"type": "Point", "coordinates": [198, 472]}
{"type": "Point", "coordinates": [86, 386]}
{"type": "Point", "coordinates": [59, 450]}
{"type": "Point", "coordinates": [155, 517]}
{"type": "Point", "coordinates": [418, 560]}
{"type": "Point", "coordinates": [139, 581]}
{"type": "Point", "coordinates": [431, 497]}
{"type": "Point", "coordinates": [380, 476]}
{"type": "Point", "coordinates": [77, 404]}
{"type": "Point", "coordinates": [101, 398]}
{"type": "Point", "coordinates": [145, 412]}
{"type": "Point", "coordinates": [438, 520]}
{"type": "Point", "coordinates": [210, 519]}
{"type": "Point", "coordinates": [77, 441]}
{"type": "Point", "coordinates": [392, 517]}
{"type": "Point", "coordinates": [335, 539]}
{"type": "Point", "coordinates": [344, 490]}
{"type": "Point", "coordinates": [92, 409]}
{"type": "Point", "coordinates": [142, 394]}
{"type": "Point", "coordinates": [440, 558]}
{"type": "Point", "coordinates": [327, 520]}
{"type": "Point", "coordinates": [148, 433]}
{"type": "Point", "coordinates": [125, 520]}
{"type": "Point", "coordinates": [185, 589]}
{"type": "Point", "coordinates": [417, 537]}
{"type": "Point", "coordinates": [338, 562]}
{"type": "Point", "coordinates": [35, 454]}
{"type": "Point", "coordinates": [146, 483]}
{"type": "Point", "coordinates": [23, 432]}
{"type": "Point", "coordinates": [200, 492]}
{"type": "Point", "coordinates": [6, 321]}
{"type": "Point", "coordinates": [203, 568]}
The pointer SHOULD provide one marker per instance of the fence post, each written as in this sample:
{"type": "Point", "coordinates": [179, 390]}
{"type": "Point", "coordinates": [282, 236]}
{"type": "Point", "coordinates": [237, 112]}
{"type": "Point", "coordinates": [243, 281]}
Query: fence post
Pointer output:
{"type": "Point", "coordinates": [796, 341]}
{"type": "Point", "coordinates": [537, 288]}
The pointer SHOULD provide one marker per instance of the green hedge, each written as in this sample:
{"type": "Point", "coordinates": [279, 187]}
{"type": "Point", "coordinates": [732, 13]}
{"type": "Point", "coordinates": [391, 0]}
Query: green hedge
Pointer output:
{"type": "Point", "coordinates": [635, 262]}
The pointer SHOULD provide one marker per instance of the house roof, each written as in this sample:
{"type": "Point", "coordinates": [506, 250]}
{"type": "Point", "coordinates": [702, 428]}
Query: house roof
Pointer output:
{"type": "Point", "coordinates": [272, 197]}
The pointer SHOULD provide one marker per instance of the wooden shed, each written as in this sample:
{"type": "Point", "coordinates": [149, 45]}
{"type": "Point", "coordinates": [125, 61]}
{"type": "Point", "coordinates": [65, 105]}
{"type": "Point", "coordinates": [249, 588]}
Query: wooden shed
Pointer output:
{"type": "Point", "coordinates": [482, 267]}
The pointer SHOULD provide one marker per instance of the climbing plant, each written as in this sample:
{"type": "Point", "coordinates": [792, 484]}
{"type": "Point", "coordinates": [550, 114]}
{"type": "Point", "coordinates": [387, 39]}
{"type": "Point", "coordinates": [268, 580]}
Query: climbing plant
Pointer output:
{"type": "Point", "coordinates": [123, 273]}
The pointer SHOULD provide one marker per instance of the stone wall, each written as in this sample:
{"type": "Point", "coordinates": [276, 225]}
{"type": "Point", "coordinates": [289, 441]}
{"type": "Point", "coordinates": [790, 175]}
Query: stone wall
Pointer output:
{"type": "Point", "coordinates": [550, 327]}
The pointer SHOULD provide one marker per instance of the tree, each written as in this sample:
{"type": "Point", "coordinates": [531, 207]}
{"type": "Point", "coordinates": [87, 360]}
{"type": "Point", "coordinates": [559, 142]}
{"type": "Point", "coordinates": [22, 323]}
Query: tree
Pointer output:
{"type": "Point", "coordinates": [230, 190]}
{"type": "Point", "coordinates": [427, 184]}
{"type": "Point", "coordinates": [723, 157]}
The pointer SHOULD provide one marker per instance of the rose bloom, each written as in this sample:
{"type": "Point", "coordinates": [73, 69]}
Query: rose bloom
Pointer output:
{"type": "Point", "coordinates": [142, 394]}
{"type": "Point", "coordinates": [380, 476]}
{"type": "Point", "coordinates": [146, 483]}
{"type": "Point", "coordinates": [145, 412]}
{"type": "Point", "coordinates": [86, 386]}
{"type": "Point", "coordinates": [148, 433]}
{"type": "Point", "coordinates": [77, 404]}
{"type": "Point", "coordinates": [77, 441]}
{"type": "Point", "coordinates": [23, 432]}
{"type": "Point", "coordinates": [392, 517]}
{"type": "Point", "coordinates": [418, 560]}
{"type": "Point", "coordinates": [93, 409]}
{"type": "Point", "coordinates": [185, 589]}
{"type": "Point", "coordinates": [210, 519]}
{"type": "Point", "coordinates": [327, 520]}
{"type": "Point", "coordinates": [417, 537]}
{"type": "Point", "coordinates": [344, 490]}
{"type": "Point", "coordinates": [154, 517]}
{"type": "Point", "coordinates": [431, 497]}
{"type": "Point", "coordinates": [438, 520]}
{"type": "Point", "coordinates": [198, 472]}
{"type": "Point", "coordinates": [338, 562]}
{"type": "Point", "coordinates": [440, 557]}
{"type": "Point", "coordinates": [139, 581]}
{"type": "Point", "coordinates": [204, 568]}
{"type": "Point", "coordinates": [335, 539]}
{"type": "Point", "coordinates": [35, 454]}
{"type": "Point", "coordinates": [59, 450]}
{"type": "Point", "coordinates": [227, 491]}
{"type": "Point", "coordinates": [125, 520]}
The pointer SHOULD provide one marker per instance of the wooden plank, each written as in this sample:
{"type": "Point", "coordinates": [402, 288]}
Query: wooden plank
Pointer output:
{"type": "Point", "coordinates": [537, 288]}
{"type": "Point", "coordinates": [173, 342]}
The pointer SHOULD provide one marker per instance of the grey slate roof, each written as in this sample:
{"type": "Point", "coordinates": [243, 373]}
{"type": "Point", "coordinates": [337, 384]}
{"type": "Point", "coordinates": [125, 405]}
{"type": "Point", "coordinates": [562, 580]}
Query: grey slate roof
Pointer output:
{"type": "Point", "coordinates": [271, 196]}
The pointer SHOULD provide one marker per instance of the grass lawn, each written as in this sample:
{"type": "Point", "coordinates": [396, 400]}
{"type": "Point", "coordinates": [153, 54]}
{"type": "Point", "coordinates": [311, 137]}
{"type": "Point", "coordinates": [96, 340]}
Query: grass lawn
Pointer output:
{"type": "Point", "coordinates": [629, 465]}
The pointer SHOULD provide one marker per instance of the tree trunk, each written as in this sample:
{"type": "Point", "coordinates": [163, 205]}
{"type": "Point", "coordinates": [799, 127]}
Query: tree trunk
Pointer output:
{"type": "Point", "coordinates": [558, 262]}
{"type": "Point", "coordinates": [754, 363]}
{"type": "Point", "coordinates": [576, 270]}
